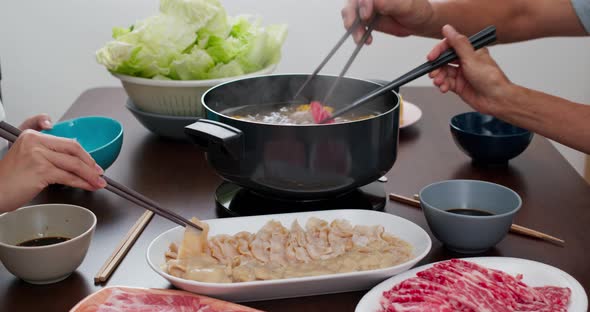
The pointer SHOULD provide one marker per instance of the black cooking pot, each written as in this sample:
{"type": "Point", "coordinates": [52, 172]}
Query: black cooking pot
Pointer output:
{"type": "Point", "coordinates": [297, 161]}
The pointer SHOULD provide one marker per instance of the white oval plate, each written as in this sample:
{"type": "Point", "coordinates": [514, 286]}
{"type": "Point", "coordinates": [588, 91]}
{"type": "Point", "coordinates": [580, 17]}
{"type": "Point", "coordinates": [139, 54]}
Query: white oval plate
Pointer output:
{"type": "Point", "coordinates": [535, 274]}
{"type": "Point", "coordinates": [301, 286]}
{"type": "Point", "coordinates": [412, 114]}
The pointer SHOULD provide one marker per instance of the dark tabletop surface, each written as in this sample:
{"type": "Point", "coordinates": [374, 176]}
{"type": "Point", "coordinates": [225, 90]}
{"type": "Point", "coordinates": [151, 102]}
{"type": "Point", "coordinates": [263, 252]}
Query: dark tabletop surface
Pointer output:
{"type": "Point", "coordinates": [556, 200]}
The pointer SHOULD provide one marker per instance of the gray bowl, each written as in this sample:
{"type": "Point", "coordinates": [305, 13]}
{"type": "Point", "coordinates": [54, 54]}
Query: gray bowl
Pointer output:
{"type": "Point", "coordinates": [467, 233]}
{"type": "Point", "coordinates": [52, 263]}
{"type": "Point", "coordinates": [171, 127]}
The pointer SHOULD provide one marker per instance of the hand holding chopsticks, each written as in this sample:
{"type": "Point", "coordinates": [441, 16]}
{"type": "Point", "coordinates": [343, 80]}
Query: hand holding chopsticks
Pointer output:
{"type": "Point", "coordinates": [479, 40]}
{"type": "Point", "coordinates": [11, 134]}
{"type": "Point", "coordinates": [414, 202]}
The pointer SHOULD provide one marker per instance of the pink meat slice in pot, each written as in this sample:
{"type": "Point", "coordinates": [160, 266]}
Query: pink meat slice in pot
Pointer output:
{"type": "Point", "coordinates": [318, 112]}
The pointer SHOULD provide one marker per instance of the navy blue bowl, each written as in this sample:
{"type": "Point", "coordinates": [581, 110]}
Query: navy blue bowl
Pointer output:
{"type": "Point", "coordinates": [488, 140]}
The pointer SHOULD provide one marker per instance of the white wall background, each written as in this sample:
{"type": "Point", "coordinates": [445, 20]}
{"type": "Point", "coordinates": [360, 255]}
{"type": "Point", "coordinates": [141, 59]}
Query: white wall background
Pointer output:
{"type": "Point", "coordinates": [47, 51]}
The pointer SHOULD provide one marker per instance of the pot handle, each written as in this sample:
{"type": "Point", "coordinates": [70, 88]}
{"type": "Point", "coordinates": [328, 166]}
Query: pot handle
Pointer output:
{"type": "Point", "coordinates": [214, 136]}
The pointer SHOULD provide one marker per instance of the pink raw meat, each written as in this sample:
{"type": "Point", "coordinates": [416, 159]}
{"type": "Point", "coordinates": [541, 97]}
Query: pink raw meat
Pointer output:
{"type": "Point", "coordinates": [135, 300]}
{"type": "Point", "coordinates": [459, 285]}
{"type": "Point", "coordinates": [318, 112]}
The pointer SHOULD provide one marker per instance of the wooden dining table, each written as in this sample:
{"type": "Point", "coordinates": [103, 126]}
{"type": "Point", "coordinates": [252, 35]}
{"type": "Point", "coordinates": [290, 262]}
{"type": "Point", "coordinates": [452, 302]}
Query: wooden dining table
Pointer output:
{"type": "Point", "coordinates": [556, 200]}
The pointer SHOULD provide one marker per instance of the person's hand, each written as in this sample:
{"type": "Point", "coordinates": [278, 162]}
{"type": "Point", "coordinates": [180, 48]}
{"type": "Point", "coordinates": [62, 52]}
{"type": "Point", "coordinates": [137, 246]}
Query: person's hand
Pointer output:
{"type": "Point", "coordinates": [38, 122]}
{"type": "Point", "coordinates": [396, 17]}
{"type": "Point", "coordinates": [476, 77]}
{"type": "Point", "coordinates": [37, 160]}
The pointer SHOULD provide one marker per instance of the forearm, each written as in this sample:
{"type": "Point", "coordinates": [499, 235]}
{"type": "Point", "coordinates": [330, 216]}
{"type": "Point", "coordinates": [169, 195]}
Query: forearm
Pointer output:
{"type": "Point", "coordinates": [515, 20]}
{"type": "Point", "coordinates": [555, 118]}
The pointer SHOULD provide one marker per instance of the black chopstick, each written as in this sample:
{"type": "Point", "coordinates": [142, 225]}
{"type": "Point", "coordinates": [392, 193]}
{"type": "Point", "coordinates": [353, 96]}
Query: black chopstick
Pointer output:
{"type": "Point", "coordinates": [7, 135]}
{"type": "Point", "coordinates": [152, 204]}
{"type": "Point", "coordinates": [10, 133]}
{"type": "Point", "coordinates": [356, 51]}
{"type": "Point", "coordinates": [479, 40]}
{"type": "Point", "coordinates": [352, 28]}
{"type": "Point", "coordinates": [159, 211]}
{"type": "Point", "coordinates": [10, 128]}
{"type": "Point", "coordinates": [355, 25]}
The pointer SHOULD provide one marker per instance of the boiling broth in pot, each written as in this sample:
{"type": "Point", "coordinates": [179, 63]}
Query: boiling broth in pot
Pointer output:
{"type": "Point", "coordinates": [290, 113]}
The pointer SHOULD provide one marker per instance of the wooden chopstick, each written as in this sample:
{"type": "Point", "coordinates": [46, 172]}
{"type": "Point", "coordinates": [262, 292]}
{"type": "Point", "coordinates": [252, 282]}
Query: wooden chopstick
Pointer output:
{"type": "Point", "coordinates": [10, 133]}
{"type": "Point", "coordinates": [514, 228]}
{"type": "Point", "coordinates": [104, 273]}
{"type": "Point", "coordinates": [405, 200]}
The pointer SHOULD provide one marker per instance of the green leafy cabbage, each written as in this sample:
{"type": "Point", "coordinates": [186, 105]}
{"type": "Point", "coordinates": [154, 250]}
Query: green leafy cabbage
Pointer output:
{"type": "Point", "coordinates": [192, 39]}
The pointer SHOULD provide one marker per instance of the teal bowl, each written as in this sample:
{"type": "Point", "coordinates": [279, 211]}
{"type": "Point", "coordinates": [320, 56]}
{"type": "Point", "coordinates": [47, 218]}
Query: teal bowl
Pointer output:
{"type": "Point", "coordinates": [101, 137]}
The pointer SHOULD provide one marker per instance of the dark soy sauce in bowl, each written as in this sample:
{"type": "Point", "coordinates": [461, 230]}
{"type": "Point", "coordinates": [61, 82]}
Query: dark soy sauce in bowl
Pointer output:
{"type": "Point", "coordinates": [470, 212]}
{"type": "Point", "coordinates": [43, 241]}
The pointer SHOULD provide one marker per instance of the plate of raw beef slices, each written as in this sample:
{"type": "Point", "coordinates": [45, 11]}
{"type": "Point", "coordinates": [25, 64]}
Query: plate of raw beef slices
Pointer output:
{"type": "Point", "coordinates": [478, 284]}
{"type": "Point", "coordinates": [134, 299]}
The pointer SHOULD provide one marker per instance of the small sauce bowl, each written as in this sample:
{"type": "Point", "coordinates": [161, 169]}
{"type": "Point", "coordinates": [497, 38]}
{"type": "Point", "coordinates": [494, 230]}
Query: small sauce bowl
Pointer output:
{"type": "Point", "coordinates": [469, 234]}
{"type": "Point", "coordinates": [488, 140]}
{"type": "Point", "coordinates": [50, 263]}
